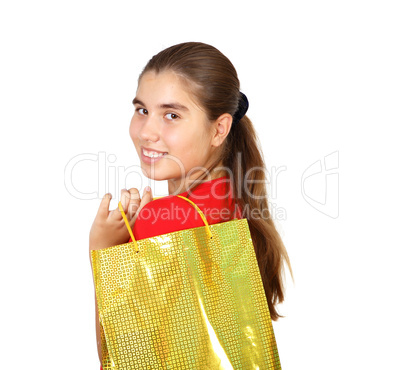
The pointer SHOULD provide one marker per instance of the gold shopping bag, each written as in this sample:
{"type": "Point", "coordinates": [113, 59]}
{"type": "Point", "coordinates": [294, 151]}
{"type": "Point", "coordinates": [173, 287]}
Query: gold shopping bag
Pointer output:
{"type": "Point", "coordinates": [190, 299]}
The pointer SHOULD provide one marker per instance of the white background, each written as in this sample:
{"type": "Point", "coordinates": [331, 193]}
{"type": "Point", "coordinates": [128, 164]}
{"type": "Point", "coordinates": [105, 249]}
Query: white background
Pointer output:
{"type": "Point", "coordinates": [321, 78]}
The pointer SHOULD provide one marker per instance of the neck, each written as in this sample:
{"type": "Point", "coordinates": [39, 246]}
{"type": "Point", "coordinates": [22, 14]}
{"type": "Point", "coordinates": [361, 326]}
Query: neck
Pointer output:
{"type": "Point", "coordinates": [177, 186]}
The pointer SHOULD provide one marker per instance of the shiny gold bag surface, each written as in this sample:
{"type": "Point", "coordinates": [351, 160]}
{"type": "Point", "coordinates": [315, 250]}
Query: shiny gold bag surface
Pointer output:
{"type": "Point", "coordinates": [190, 299]}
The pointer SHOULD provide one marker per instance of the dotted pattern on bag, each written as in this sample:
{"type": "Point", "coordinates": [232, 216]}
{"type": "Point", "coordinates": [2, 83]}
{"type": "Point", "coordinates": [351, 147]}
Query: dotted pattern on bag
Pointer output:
{"type": "Point", "coordinates": [185, 302]}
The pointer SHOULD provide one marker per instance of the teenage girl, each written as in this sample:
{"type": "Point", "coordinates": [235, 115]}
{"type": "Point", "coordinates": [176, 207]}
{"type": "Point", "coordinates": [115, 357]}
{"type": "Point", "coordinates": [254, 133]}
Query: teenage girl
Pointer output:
{"type": "Point", "coordinates": [189, 128]}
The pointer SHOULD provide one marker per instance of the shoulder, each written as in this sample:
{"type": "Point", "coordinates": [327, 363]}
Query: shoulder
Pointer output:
{"type": "Point", "coordinates": [165, 215]}
{"type": "Point", "coordinates": [169, 207]}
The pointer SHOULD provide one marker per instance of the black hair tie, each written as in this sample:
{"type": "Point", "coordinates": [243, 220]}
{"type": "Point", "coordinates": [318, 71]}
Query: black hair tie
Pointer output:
{"type": "Point", "coordinates": [241, 109]}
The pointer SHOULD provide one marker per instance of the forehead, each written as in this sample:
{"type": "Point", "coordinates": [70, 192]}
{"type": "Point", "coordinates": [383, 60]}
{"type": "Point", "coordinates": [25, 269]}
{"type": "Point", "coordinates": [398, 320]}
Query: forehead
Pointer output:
{"type": "Point", "coordinates": [163, 82]}
{"type": "Point", "coordinates": [165, 87]}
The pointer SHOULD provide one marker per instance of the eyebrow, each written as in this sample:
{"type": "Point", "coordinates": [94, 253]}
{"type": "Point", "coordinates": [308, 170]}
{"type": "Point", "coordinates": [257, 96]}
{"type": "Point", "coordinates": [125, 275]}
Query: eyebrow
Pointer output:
{"type": "Point", "coordinates": [177, 106]}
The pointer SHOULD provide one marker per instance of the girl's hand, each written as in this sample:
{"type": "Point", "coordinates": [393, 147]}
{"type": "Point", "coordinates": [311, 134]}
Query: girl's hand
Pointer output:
{"type": "Point", "coordinates": [109, 228]}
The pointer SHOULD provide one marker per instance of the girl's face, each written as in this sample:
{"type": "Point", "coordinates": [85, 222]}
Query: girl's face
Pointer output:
{"type": "Point", "coordinates": [170, 132]}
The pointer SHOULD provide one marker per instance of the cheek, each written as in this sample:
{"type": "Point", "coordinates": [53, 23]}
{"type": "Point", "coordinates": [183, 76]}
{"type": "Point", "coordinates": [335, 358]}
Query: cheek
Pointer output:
{"type": "Point", "coordinates": [134, 130]}
{"type": "Point", "coordinates": [189, 146]}
{"type": "Point", "coordinates": [179, 143]}
{"type": "Point", "coordinates": [173, 140]}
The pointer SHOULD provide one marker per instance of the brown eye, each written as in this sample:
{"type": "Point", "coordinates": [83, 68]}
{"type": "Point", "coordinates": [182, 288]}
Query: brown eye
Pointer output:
{"type": "Point", "coordinates": [141, 111]}
{"type": "Point", "coordinates": [173, 116]}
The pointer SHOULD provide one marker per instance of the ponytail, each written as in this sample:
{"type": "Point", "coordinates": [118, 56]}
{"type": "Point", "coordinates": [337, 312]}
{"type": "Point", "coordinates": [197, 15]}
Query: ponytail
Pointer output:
{"type": "Point", "coordinates": [251, 195]}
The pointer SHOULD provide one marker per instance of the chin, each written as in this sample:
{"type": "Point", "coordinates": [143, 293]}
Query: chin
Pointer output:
{"type": "Point", "coordinates": [154, 175]}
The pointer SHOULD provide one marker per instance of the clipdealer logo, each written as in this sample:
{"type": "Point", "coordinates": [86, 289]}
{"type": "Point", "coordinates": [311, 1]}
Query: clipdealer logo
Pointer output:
{"type": "Point", "coordinates": [319, 181]}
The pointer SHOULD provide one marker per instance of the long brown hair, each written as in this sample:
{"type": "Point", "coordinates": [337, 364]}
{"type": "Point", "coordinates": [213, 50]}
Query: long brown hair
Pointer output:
{"type": "Point", "coordinates": [213, 81]}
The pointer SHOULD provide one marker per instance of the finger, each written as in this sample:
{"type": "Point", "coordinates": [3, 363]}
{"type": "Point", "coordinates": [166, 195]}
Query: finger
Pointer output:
{"type": "Point", "coordinates": [134, 202]}
{"type": "Point", "coordinates": [103, 210]}
{"type": "Point", "coordinates": [146, 198]}
{"type": "Point", "coordinates": [124, 199]}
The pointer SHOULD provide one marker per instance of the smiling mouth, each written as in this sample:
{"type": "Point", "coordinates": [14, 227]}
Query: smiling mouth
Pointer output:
{"type": "Point", "coordinates": [152, 154]}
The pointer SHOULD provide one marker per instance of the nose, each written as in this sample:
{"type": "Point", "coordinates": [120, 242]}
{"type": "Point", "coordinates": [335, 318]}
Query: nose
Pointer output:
{"type": "Point", "coordinates": [150, 129]}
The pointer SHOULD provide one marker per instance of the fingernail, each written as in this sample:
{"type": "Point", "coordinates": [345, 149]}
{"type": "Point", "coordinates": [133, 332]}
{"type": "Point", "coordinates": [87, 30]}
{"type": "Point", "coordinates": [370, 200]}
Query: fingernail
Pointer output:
{"type": "Point", "coordinates": [147, 189]}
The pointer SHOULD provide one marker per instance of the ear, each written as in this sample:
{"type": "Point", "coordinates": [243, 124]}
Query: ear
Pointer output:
{"type": "Point", "coordinates": [221, 129]}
